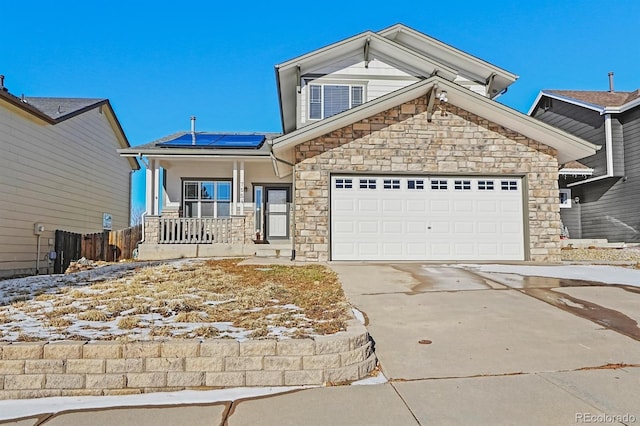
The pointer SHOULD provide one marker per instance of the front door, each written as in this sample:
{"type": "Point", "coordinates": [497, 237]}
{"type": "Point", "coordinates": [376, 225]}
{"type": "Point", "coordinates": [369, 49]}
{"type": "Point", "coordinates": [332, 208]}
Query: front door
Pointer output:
{"type": "Point", "coordinates": [277, 213]}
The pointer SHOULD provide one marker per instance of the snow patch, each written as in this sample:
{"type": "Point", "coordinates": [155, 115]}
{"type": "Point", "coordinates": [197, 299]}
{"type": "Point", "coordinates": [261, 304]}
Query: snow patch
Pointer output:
{"type": "Point", "coordinates": [598, 273]}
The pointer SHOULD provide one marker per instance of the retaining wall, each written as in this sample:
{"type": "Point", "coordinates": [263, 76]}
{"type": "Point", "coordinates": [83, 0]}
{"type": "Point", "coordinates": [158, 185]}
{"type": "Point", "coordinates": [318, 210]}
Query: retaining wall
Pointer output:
{"type": "Point", "coordinates": [69, 368]}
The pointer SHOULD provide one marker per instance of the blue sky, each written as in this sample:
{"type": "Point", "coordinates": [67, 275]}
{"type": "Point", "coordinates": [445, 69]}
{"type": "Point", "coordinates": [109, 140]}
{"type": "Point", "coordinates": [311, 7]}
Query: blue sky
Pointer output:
{"type": "Point", "coordinates": [161, 62]}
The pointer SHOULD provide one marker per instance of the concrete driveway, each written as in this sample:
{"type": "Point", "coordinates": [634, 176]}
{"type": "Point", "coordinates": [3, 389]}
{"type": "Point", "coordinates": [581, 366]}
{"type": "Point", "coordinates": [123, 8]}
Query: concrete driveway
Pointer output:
{"type": "Point", "coordinates": [467, 348]}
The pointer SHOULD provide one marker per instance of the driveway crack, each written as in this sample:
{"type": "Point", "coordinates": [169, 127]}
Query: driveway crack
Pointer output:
{"type": "Point", "coordinates": [405, 404]}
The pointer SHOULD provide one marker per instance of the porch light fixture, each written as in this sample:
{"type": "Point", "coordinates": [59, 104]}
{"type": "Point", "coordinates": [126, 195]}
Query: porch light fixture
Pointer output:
{"type": "Point", "coordinates": [442, 97]}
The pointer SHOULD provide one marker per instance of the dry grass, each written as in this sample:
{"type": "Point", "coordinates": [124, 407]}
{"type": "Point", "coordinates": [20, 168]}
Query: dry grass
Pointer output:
{"type": "Point", "coordinates": [194, 300]}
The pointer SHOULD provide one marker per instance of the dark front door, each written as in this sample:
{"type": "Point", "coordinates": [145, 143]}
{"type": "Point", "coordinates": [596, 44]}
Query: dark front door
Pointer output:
{"type": "Point", "coordinates": [277, 213]}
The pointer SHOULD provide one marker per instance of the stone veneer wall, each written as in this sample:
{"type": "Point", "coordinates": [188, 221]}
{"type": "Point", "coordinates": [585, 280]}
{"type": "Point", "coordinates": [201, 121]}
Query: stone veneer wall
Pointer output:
{"type": "Point", "coordinates": [69, 368]}
{"type": "Point", "coordinates": [401, 140]}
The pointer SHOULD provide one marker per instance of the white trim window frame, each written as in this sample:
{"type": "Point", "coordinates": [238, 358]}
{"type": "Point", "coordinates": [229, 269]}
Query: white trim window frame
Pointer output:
{"type": "Point", "coordinates": [565, 198]}
{"type": "Point", "coordinates": [206, 198]}
{"type": "Point", "coordinates": [326, 100]}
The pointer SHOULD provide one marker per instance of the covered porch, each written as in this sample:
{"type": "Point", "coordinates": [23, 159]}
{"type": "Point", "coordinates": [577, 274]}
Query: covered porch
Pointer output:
{"type": "Point", "coordinates": [200, 203]}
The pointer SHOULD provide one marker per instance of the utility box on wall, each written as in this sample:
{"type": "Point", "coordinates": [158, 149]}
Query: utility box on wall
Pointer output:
{"type": "Point", "coordinates": [38, 228]}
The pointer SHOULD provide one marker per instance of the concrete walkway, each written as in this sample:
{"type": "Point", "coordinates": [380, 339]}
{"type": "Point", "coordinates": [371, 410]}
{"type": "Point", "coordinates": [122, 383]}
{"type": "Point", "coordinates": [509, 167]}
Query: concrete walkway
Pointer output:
{"type": "Point", "coordinates": [459, 348]}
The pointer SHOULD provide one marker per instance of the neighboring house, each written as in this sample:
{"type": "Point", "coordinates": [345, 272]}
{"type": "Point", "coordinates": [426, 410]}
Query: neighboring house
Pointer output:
{"type": "Point", "coordinates": [59, 169]}
{"type": "Point", "coordinates": [600, 194]}
{"type": "Point", "coordinates": [393, 148]}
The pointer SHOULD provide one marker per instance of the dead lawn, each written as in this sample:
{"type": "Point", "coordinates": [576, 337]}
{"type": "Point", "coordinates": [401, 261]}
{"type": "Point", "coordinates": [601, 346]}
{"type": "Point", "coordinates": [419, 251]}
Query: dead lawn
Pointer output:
{"type": "Point", "coordinates": [189, 299]}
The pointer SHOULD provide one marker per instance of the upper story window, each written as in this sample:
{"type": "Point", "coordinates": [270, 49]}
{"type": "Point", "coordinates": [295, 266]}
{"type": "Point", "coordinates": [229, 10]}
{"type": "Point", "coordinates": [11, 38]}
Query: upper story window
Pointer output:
{"type": "Point", "coordinates": [326, 100]}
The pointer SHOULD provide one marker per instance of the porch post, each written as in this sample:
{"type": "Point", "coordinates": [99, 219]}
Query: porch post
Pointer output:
{"type": "Point", "coordinates": [241, 188]}
{"type": "Point", "coordinates": [234, 185]}
{"type": "Point", "coordinates": [149, 185]}
{"type": "Point", "coordinates": [156, 195]}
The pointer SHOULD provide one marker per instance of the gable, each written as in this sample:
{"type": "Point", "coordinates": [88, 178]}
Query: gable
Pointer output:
{"type": "Point", "coordinates": [469, 67]}
{"type": "Point", "coordinates": [405, 50]}
{"type": "Point", "coordinates": [454, 141]}
{"type": "Point", "coordinates": [54, 111]}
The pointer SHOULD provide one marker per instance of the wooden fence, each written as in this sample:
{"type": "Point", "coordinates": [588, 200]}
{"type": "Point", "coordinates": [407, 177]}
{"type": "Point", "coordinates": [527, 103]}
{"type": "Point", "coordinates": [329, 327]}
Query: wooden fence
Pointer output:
{"type": "Point", "coordinates": [68, 247]}
{"type": "Point", "coordinates": [109, 246]}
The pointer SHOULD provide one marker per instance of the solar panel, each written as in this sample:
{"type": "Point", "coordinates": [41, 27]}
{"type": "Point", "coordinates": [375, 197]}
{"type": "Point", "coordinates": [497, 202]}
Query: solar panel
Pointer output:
{"type": "Point", "coordinates": [210, 140]}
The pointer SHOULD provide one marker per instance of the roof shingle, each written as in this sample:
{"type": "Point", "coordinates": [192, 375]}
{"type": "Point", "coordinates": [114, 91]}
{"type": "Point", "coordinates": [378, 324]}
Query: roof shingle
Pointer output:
{"type": "Point", "coordinates": [599, 98]}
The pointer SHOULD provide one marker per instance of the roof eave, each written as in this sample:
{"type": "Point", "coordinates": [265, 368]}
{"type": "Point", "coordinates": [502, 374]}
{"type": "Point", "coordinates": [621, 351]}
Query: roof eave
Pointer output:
{"type": "Point", "coordinates": [474, 60]}
{"type": "Point", "coordinates": [26, 107]}
{"type": "Point", "coordinates": [573, 101]}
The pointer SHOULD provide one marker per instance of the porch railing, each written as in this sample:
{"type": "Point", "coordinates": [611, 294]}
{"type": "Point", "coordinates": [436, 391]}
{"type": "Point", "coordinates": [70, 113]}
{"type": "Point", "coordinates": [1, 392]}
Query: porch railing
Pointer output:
{"type": "Point", "coordinates": [187, 230]}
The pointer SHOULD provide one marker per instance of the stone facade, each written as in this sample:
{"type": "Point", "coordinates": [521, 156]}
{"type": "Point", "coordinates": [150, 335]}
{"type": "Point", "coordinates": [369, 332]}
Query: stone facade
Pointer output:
{"type": "Point", "coordinates": [67, 368]}
{"type": "Point", "coordinates": [402, 140]}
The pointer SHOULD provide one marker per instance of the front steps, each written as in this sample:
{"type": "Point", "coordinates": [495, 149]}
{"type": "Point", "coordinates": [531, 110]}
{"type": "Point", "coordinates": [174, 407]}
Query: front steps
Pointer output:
{"type": "Point", "coordinates": [275, 249]}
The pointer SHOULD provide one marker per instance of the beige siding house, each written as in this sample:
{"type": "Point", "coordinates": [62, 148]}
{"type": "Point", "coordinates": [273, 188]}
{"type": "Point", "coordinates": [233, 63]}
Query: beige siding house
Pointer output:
{"type": "Point", "coordinates": [59, 169]}
{"type": "Point", "coordinates": [393, 148]}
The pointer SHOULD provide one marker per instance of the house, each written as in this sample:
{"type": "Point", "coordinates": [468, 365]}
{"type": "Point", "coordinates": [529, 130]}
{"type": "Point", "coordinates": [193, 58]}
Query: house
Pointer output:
{"type": "Point", "coordinates": [393, 148]}
{"type": "Point", "coordinates": [600, 194]}
{"type": "Point", "coordinates": [59, 169]}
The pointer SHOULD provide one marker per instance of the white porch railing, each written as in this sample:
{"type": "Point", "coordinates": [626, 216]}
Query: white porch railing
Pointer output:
{"type": "Point", "coordinates": [187, 230]}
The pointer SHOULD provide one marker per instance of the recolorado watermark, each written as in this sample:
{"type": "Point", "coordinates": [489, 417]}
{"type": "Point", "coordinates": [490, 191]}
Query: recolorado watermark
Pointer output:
{"type": "Point", "coordinates": [605, 418]}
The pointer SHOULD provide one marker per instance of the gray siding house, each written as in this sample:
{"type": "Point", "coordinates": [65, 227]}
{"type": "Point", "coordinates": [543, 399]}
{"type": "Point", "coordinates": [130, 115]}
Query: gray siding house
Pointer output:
{"type": "Point", "coordinates": [600, 194]}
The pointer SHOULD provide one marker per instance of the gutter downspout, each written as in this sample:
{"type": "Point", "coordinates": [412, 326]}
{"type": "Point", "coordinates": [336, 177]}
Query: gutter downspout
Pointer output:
{"type": "Point", "coordinates": [193, 130]}
{"type": "Point", "coordinates": [608, 143]}
{"type": "Point", "coordinates": [293, 207]}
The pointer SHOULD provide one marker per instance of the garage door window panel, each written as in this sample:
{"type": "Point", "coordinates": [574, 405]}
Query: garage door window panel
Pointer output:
{"type": "Point", "coordinates": [509, 185]}
{"type": "Point", "coordinates": [415, 184]}
{"type": "Point", "coordinates": [485, 185]}
{"type": "Point", "coordinates": [439, 184]}
{"type": "Point", "coordinates": [367, 184]}
{"type": "Point", "coordinates": [462, 185]}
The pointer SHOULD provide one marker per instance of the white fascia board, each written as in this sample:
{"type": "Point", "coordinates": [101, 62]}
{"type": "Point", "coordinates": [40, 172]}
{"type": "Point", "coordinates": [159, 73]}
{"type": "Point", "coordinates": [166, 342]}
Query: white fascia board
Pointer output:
{"type": "Point", "coordinates": [574, 172]}
{"type": "Point", "coordinates": [471, 63]}
{"type": "Point", "coordinates": [535, 103]}
{"type": "Point", "coordinates": [197, 156]}
{"type": "Point", "coordinates": [356, 43]}
{"type": "Point", "coordinates": [569, 146]}
{"type": "Point", "coordinates": [572, 101]}
{"type": "Point", "coordinates": [634, 103]}
{"type": "Point", "coordinates": [344, 44]}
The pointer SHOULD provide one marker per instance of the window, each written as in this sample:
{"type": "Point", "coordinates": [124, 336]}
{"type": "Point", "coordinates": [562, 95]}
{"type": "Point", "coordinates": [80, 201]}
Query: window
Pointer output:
{"type": "Point", "coordinates": [207, 198]}
{"type": "Point", "coordinates": [326, 100]}
{"type": "Point", "coordinates": [367, 184]}
{"type": "Point", "coordinates": [344, 183]}
{"type": "Point", "coordinates": [462, 184]}
{"type": "Point", "coordinates": [391, 184]}
{"type": "Point", "coordinates": [415, 184]}
{"type": "Point", "coordinates": [509, 185]}
{"type": "Point", "coordinates": [485, 185]}
{"type": "Point", "coordinates": [438, 184]}
{"type": "Point", "coordinates": [565, 198]}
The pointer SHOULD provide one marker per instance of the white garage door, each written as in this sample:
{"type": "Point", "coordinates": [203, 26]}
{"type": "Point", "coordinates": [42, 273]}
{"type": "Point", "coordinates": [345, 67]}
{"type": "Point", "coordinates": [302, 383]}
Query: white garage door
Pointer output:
{"type": "Point", "coordinates": [426, 218]}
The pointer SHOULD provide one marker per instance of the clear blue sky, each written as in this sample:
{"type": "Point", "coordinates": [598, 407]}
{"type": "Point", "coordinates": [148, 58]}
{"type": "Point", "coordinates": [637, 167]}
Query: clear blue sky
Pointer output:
{"type": "Point", "coordinates": [161, 62]}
